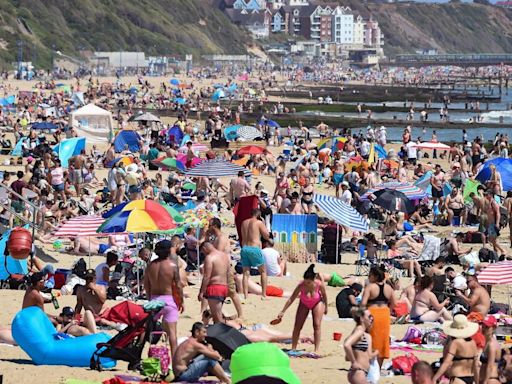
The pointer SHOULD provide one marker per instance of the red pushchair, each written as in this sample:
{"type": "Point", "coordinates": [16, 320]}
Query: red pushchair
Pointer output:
{"type": "Point", "coordinates": [128, 344]}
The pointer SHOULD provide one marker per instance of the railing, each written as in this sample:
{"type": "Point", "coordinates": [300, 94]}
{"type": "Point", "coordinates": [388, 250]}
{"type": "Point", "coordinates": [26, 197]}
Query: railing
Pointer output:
{"type": "Point", "coordinates": [33, 224]}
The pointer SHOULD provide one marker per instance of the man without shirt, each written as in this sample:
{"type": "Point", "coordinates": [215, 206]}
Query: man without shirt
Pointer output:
{"type": "Point", "coordinates": [162, 282]}
{"type": "Point", "coordinates": [253, 229]}
{"type": "Point", "coordinates": [223, 244]}
{"type": "Point", "coordinates": [214, 286]}
{"type": "Point", "coordinates": [194, 357]}
{"type": "Point", "coordinates": [478, 299]}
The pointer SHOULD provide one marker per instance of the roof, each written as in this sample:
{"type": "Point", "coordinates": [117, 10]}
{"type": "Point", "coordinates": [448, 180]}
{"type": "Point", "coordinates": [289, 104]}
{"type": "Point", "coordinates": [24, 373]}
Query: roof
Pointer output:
{"type": "Point", "coordinates": [237, 16]}
{"type": "Point", "coordinates": [304, 11]}
{"type": "Point", "coordinates": [91, 109]}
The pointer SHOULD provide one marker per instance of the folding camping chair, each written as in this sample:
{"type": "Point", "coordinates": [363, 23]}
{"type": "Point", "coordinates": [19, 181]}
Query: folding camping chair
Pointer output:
{"type": "Point", "coordinates": [363, 264]}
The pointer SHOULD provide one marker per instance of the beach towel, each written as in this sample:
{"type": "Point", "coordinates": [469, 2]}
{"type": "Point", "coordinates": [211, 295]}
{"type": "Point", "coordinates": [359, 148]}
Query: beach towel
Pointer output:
{"type": "Point", "coordinates": [242, 211]}
{"type": "Point", "coordinates": [301, 354]}
{"type": "Point", "coordinates": [381, 330]}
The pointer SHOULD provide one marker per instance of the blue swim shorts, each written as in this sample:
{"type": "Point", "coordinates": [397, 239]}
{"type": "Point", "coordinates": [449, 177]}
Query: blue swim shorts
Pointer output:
{"type": "Point", "coordinates": [251, 257]}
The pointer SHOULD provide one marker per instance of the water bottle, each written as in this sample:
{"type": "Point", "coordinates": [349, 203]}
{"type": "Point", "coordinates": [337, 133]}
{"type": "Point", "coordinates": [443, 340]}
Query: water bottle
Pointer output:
{"type": "Point", "coordinates": [55, 302]}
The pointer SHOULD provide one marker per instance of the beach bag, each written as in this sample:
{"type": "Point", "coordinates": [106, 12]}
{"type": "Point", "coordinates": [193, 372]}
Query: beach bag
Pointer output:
{"type": "Point", "coordinates": [434, 337]}
{"type": "Point", "coordinates": [79, 268]}
{"type": "Point", "coordinates": [160, 352]}
{"type": "Point", "coordinates": [412, 333]}
{"type": "Point", "coordinates": [374, 372]}
{"type": "Point", "coordinates": [404, 363]}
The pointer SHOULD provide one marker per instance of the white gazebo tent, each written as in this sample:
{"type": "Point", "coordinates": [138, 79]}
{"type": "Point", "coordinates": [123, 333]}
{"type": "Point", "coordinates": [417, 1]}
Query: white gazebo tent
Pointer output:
{"type": "Point", "coordinates": [93, 123]}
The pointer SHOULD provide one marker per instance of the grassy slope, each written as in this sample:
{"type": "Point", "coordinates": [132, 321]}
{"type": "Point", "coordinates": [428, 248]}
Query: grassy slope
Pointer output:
{"type": "Point", "coordinates": [173, 27]}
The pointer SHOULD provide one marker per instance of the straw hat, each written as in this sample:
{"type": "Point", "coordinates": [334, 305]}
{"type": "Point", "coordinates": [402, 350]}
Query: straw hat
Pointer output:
{"type": "Point", "coordinates": [460, 327]}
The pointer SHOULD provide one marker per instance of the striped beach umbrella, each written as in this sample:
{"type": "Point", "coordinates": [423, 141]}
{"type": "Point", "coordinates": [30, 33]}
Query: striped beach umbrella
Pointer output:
{"type": "Point", "coordinates": [80, 226]}
{"type": "Point", "coordinates": [341, 213]}
{"type": "Point", "coordinates": [412, 192]}
{"type": "Point", "coordinates": [196, 147]}
{"type": "Point", "coordinates": [248, 132]}
{"type": "Point", "coordinates": [216, 168]}
{"type": "Point", "coordinates": [497, 273]}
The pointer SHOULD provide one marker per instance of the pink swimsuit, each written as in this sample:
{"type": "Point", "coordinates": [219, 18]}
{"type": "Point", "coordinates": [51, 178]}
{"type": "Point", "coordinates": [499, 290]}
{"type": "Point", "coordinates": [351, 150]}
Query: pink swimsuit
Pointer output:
{"type": "Point", "coordinates": [310, 302]}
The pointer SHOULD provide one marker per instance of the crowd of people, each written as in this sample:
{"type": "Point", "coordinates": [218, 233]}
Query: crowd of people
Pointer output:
{"type": "Point", "coordinates": [343, 168]}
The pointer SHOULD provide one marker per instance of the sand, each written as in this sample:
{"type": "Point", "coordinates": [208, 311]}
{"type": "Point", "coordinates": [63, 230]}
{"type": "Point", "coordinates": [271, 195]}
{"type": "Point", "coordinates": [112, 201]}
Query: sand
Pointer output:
{"type": "Point", "coordinates": [17, 367]}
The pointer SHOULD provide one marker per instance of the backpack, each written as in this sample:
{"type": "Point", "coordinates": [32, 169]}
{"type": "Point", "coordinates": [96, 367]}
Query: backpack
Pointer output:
{"type": "Point", "coordinates": [487, 255]}
{"type": "Point", "coordinates": [79, 268]}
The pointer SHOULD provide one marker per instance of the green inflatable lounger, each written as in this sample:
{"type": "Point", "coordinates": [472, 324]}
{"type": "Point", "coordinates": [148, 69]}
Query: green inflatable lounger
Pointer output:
{"type": "Point", "coordinates": [261, 363]}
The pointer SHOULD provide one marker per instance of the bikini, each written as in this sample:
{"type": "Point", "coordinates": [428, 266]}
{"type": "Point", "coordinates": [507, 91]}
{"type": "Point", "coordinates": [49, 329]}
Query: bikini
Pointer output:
{"type": "Point", "coordinates": [310, 302]}
{"type": "Point", "coordinates": [380, 299]}
{"type": "Point", "coordinates": [361, 345]}
{"type": "Point", "coordinates": [466, 379]}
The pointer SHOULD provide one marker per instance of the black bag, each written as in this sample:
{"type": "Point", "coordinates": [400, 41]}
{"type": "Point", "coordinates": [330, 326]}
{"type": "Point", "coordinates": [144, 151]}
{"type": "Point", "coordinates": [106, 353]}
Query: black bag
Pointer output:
{"type": "Point", "coordinates": [487, 255]}
{"type": "Point", "coordinates": [79, 268]}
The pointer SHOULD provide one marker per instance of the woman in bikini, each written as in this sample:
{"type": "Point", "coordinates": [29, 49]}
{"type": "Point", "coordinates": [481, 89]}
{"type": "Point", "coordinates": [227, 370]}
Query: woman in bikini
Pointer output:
{"type": "Point", "coordinates": [307, 196]}
{"type": "Point", "coordinates": [358, 347]}
{"type": "Point", "coordinates": [312, 297]}
{"type": "Point", "coordinates": [425, 306]}
{"type": "Point", "coordinates": [491, 356]}
{"type": "Point", "coordinates": [460, 353]}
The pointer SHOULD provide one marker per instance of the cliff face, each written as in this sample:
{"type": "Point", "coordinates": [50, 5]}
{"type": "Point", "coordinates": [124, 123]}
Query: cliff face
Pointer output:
{"type": "Point", "coordinates": [153, 26]}
{"type": "Point", "coordinates": [450, 28]}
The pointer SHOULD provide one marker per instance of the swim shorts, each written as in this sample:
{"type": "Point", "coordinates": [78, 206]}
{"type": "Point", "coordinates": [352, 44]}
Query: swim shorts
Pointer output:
{"type": "Point", "coordinates": [216, 292]}
{"type": "Point", "coordinates": [170, 310]}
{"type": "Point", "coordinates": [336, 281]}
{"type": "Point", "coordinates": [337, 178]}
{"type": "Point", "coordinates": [251, 257]}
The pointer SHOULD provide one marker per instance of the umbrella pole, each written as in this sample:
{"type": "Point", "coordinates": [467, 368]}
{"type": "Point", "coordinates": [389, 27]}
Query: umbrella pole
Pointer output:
{"type": "Point", "coordinates": [337, 243]}
{"type": "Point", "coordinates": [137, 265]}
{"type": "Point", "coordinates": [89, 252]}
{"type": "Point", "coordinates": [198, 234]}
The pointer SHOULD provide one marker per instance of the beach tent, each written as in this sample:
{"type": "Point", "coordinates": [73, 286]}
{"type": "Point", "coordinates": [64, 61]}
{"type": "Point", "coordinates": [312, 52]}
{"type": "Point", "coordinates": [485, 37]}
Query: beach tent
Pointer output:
{"type": "Point", "coordinates": [127, 137]}
{"type": "Point", "coordinates": [503, 166]}
{"type": "Point", "coordinates": [69, 148]}
{"type": "Point", "coordinates": [471, 186]}
{"type": "Point", "coordinates": [18, 148]}
{"type": "Point", "coordinates": [177, 133]}
{"type": "Point", "coordinates": [93, 123]}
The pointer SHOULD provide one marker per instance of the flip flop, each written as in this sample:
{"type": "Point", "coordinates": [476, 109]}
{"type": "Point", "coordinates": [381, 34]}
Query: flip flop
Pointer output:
{"type": "Point", "coordinates": [276, 321]}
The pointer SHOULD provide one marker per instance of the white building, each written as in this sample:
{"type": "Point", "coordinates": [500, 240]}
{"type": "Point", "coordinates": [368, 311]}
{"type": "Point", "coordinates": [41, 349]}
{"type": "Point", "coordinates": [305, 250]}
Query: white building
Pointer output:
{"type": "Point", "coordinates": [298, 3]}
{"type": "Point", "coordinates": [358, 35]}
{"type": "Point", "coordinates": [342, 25]}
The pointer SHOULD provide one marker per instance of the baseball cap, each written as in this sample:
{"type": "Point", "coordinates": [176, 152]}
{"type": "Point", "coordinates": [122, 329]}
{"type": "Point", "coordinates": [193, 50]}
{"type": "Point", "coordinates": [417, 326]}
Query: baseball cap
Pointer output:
{"type": "Point", "coordinates": [490, 321]}
{"type": "Point", "coordinates": [252, 361]}
{"type": "Point", "coordinates": [345, 184]}
{"type": "Point", "coordinates": [68, 311]}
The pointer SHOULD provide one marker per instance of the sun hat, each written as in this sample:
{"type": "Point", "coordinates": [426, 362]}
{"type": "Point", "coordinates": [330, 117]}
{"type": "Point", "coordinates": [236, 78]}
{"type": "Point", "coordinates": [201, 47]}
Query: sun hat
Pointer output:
{"type": "Point", "coordinates": [460, 327]}
{"type": "Point", "coordinates": [261, 359]}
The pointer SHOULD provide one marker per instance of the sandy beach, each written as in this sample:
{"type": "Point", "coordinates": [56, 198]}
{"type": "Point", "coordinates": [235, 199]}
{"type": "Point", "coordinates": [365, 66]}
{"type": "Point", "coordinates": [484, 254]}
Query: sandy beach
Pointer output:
{"type": "Point", "coordinates": [16, 366]}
